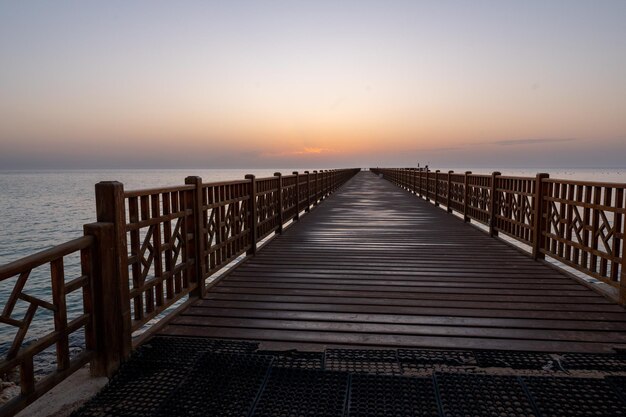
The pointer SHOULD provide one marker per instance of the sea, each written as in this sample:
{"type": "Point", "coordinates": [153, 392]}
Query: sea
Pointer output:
{"type": "Point", "coordinates": [41, 209]}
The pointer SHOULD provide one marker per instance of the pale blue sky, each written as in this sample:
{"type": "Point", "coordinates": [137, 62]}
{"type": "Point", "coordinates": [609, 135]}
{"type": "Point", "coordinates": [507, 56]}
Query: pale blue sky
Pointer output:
{"type": "Point", "coordinates": [279, 83]}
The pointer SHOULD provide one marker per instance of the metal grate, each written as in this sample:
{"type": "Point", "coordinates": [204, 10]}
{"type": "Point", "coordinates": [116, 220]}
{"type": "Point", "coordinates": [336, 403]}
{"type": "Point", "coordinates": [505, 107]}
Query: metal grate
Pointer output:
{"type": "Point", "coordinates": [574, 397]}
{"type": "Point", "coordinates": [363, 360]}
{"type": "Point", "coordinates": [595, 362]}
{"type": "Point", "coordinates": [220, 385]}
{"type": "Point", "coordinates": [138, 389]}
{"type": "Point", "coordinates": [516, 360]}
{"type": "Point", "coordinates": [303, 392]}
{"type": "Point", "coordinates": [295, 359]}
{"type": "Point", "coordinates": [481, 395]}
{"type": "Point", "coordinates": [384, 395]}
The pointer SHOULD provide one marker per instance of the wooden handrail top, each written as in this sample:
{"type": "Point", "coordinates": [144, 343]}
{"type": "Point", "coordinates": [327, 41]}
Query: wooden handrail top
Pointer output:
{"type": "Point", "coordinates": [158, 190]}
{"type": "Point", "coordinates": [221, 183]}
{"type": "Point", "coordinates": [585, 183]}
{"type": "Point", "coordinates": [40, 258]}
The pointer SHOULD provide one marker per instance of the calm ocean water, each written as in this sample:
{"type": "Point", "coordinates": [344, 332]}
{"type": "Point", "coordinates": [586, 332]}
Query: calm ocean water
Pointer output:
{"type": "Point", "coordinates": [40, 209]}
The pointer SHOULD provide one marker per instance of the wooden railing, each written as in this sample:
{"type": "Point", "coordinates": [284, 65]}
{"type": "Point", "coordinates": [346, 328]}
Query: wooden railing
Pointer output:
{"type": "Point", "coordinates": [578, 223]}
{"type": "Point", "coordinates": [149, 250]}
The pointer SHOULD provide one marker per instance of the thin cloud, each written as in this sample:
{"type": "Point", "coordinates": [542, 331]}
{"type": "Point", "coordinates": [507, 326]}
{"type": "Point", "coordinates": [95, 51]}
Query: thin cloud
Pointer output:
{"type": "Point", "coordinates": [528, 141]}
{"type": "Point", "coordinates": [301, 152]}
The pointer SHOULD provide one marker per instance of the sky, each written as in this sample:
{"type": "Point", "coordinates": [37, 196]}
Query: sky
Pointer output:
{"type": "Point", "coordinates": [261, 84]}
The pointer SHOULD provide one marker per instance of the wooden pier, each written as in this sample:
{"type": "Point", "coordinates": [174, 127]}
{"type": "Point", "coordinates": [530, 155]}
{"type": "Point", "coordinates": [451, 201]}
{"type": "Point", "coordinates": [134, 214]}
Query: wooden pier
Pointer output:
{"type": "Point", "coordinates": [355, 260]}
{"type": "Point", "coordinates": [376, 266]}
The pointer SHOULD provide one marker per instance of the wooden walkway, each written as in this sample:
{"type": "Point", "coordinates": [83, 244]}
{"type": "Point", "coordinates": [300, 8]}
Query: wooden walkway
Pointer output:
{"type": "Point", "coordinates": [375, 266]}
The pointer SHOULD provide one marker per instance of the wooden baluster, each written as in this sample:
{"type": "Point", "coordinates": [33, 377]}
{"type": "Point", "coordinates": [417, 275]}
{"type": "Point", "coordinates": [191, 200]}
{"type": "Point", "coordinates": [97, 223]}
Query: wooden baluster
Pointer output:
{"type": "Point", "coordinates": [437, 187]}
{"type": "Point", "coordinates": [252, 215]}
{"type": "Point", "coordinates": [539, 223]}
{"type": "Point", "coordinates": [279, 202]}
{"type": "Point", "coordinates": [419, 187]}
{"type": "Point", "coordinates": [622, 279]}
{"type": "Point", "coordinates": [57, 275]}
{"type": "Point", "coordinates": [449, 209]}
{"type": "Point", "coordinates": [466, 196]}
{"type": "Point", "coordinates": [196, 246]}
{"type": "Point", "coordinates": [427, 185]}
{"type": "Point", "coordinates": [308, 192]}
{"type": "Point", "coordinates": [315, 188]}
{"type": "Point", "coordinates": [111, 325]}
{"type": "Point", "coordinates": [493, 204]}
{"type": "Point", "coordinates": [297, 191]}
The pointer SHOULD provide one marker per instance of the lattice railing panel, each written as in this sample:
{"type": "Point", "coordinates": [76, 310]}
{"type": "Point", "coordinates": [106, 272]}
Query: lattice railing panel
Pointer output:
{"type": "Point", "coordinates": [515, 207]}
{"type": "Point", "coordinates": [225, 220]}
{"type": "Point", "coordinates": [161, 266]}
{"type": "Point", "coordinates": [585, 226]}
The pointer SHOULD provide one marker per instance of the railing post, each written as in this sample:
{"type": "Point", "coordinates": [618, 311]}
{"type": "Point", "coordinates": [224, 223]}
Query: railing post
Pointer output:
{"type": "Point", "coordinates": [279, 197]}
{"type": "Point", "coordinates": [427, 185]}
{"type": "Point", "coordinates": [493, 205]}
{"type": "Point", "coordinates": [110, 208]}
{"type": "Point", "coordinates": [437, 187]}
{"type": "Point", "coordinates": [308, 192]}
{"type": "Point", "coordinates": [196, 246]}
{"type": "Point", "coordinates": [297, 216]}
{"type": "Point", "coordinates": [252, 215]}
{"type": "Point", "coordinates": [539, 224]}
{"type": "Point", "coordinates": [419, 187]}
{"type": "Point", "coordinates": [465, 196]}
{"type": "Point", "coordinates": [622, 279]}
{"type": "Point", "coordinates": [449, 209]}
{"type": "Point", "coordinates": [108, 332]}
{"type": "Point", "coordinates": [315, 188]}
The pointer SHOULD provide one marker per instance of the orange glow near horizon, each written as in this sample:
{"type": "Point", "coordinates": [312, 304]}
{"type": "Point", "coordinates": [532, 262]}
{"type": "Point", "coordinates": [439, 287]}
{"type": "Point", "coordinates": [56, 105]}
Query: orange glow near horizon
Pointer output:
{"type": "Point", "coordinates": [328, 84]}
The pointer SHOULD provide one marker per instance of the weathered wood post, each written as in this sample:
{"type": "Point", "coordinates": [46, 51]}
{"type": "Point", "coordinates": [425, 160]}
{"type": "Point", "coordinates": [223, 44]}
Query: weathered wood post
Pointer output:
{"type": "Point", "coordinates": [196, 246]}
{"type": "Point", "coordinates": [297, 191]}
{"type": "Point", "coordinates": [539, 223]}
{"type": "Point", "coordinates": [622, 279]}
{"type": "Point", "coordinates": [437, 187]}
{"type": "Point", "coordinates": [427, 185]}
{"type": "Point", "coordinates": [466, 196]}
{"type": "Point", "coordinates": [449, 209]}
{"type": "Point", "coordinates": [279, 202]}
{"type": "Point", "coordinates": [308, 192]}
{"type": "Point", "coordinates": [315, 188]}
{"type": "Point", "coordinates": [493, 204]}
{"type": "Point", "coordinates": [419, 188]}
{"type": "Point", "coordinates": [112, 300]}
{"type": "Point", "coordinates": [252, 215]}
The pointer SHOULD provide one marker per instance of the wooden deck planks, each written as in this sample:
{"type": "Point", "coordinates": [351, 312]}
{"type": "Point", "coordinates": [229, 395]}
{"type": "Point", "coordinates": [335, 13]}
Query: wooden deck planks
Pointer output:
{"type": "Point", "coordinates": [375, 266]}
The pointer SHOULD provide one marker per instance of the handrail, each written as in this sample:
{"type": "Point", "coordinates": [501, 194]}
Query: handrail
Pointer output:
{"type": "Point", "coordinates": [581, 224]}
{"type": "Point", "coordinates": [150, 249]}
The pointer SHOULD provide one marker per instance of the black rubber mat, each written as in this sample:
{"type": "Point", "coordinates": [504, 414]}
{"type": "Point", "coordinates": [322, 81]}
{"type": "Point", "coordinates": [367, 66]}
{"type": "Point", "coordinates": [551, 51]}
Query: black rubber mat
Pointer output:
{"type": "Point", "coordinates": [569, 397]}
{"type": "Point", "coordinates": [363, 360]}
{"type": "Point", "coordinates": [619, 384]}
{"type": "Point", "coordinates": [383, 395]}
{"type": "Point", "coordinates": [138, 389]}
{"type": "Point", "coordinates": [303, 392]}
{"type": "Point", "coordinates": [481, 395]}
{"type": "Point", "coordinates": [295, 359]}
{"type": "Point", "coordinates": [516, 360]}
{"type": "Point", "coordinates": [443, 357]}
{"type": "Point", "coordinates": [187, 350]}
{"type": "Point", "coordinates": [222, 384]}
{"type": "Point", "coordinates": [595, 362]}
{"type": "Point", "coordinates": [172, 376]}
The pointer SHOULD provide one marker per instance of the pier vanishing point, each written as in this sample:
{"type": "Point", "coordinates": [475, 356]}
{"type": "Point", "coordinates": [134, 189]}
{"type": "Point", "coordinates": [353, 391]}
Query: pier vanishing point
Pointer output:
{"type": "Point", "coordinates": [402, 292]}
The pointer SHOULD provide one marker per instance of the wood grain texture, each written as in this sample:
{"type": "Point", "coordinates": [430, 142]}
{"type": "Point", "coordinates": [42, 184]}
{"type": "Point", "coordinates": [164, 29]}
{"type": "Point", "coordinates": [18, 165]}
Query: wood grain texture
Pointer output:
{"type": "Point", "coordinates": [377, 266]}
